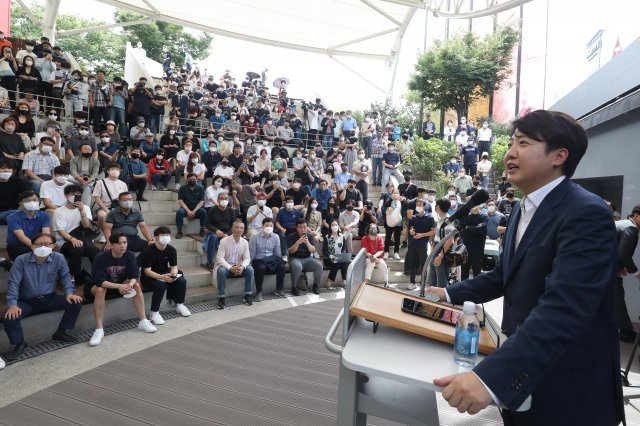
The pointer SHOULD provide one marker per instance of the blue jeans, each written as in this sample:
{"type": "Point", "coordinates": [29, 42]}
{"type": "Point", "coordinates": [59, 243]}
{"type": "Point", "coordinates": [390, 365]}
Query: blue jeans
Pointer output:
{"type": "Point", "coordinates": [327, 140]}
{"type": "Point", "coordinates": [120, 117]}
{"type": "Point", "coordinates": [438, 275]}
{"type": "Point", "coordinates": [3, 216]}
{"type": "Point", "coordinates": [159, 178]}
{"type": "Point", "coordinates": [212, 247]}
{"type": "Point", "coordinates": [223, 273]}
{"type": "Point", "coordinates": [154, 122]}
{"type": "Point", "coordinates": [377, 170]}
{"type": "Point", "coordinates": [181, 214]}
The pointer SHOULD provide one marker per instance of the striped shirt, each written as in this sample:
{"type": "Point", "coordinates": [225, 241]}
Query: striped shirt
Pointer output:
{"type": "Point", "coordinates": [261, 246]}
{"type": "Point", "coordinates": [40, 164]}
{"type": "Point", "coordinates": [378, 148]}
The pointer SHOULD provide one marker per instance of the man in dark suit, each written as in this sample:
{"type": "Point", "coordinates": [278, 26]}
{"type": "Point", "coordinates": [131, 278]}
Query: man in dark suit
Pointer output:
{"type": "Point", "coordinates": [627, 231]}
{"type": "Point", "coordinates": [180, 104]}
{"type": "Point", "coordinates": [557, 274]}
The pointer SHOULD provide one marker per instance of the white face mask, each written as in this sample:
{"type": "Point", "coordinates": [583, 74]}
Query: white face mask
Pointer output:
{"type": "Point", "coordinates": [71, 199]}
{"type": "Point", "coordinates": [361, 156]}
{"type": "Point", "coordinates": [484, 126]}
{"type": "Point", "coordinates": [212, 149]}
{"type": "Point", "coordinates": [217, 184]}
{"type": "Point", "coordinates": [46, 149]}
{"type": "Point", "coordinates": [187, 149]}
{"type": "Point", "coordinates": [172, 132]}
{"type": "Point", "coordinates": [454, 203]}
{"type": "Point", "coordinates": [43, 251]}
{"type": "Point", "coordinates": [314, 206]}
{"type": "Point", "coordinates": [296, 185]}
{"type": "Point", "coordinates": [80, 121]}
{"type": "Point", "coordinates": [419, 209]}
{"type": "Point", "coordinates": [261, 203]}
{"type": "Point", "coordinates": [335, 228]}
{"type": "Point", "coordinates": [127, 204]}
{"type": "Point", "coordinates": [53, 117]}
{"type": "Point", "coordinates": [83, 132]}
{"type": "Point", "coordinates": [114, 173]}
{"type": "Point", "coordinates": [5, 175]}
{"type": "Point", "coordinates": [194, 161]}
{"type": "Point", "coordinates": [105, 140]}
{"type": "Point", "coordinates": [164, 239]}
{"type": "Point", "coordinates": [62, 179]}
{"type": "Point", "coordinates": [268, 230]}
{"type": "Point", "coordinates": [31, 206]}
{"type": "Point", "coordinates": [431, 198]}
{"type": "Point", "coordinates": [289, 206]}
{"type": "Point", "coordinates": [224, 203]}
{"type": "Point", "coordinates": [491, 209]}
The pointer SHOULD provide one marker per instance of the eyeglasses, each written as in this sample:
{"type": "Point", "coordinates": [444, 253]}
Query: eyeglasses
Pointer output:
{"type": "Point", "coordinates": [43, 244]}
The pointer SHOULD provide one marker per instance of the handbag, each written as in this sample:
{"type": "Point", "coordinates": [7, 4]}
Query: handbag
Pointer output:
{"type": "Point", "coordinates": [395, 218]}
{"type": "Point", "coordinates": [457, 254]}
{"type": "Point", "coordinates": [86, 234]}
{"type": "Point", "coordinates": [114, 203]}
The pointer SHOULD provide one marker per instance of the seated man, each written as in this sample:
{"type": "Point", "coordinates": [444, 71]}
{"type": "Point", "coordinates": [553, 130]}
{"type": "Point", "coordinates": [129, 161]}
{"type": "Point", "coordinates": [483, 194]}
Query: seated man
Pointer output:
{"type": "Point", "coordinates": [116, 272]}
{"type": "Point", "coordinates": [299, 194]}
{"type": "Point", "coordinates": [348, 221]}
{"type": "Point", "coordinates": [233, 260]}
{"type": "Point", "coordinates": [266, 258]}
{"type": "Point", "coordinates": [52, 191]}
{"type": "Point", "coordinates": [107, 190]}
{"type": "Point", "coordinates": [244, 196]}
{"type": "Point", "coordinates": [350, 195]}
{"type": "Point", "coordinates": [191, 200]}
{"type": "Point", "coordinates": [72, 222]}
{"type": "Point", "coordinates": [73, 144]}
{"type": "Point", "coordinates": [10, 188]}
{"type": "Point", "coordinates": [287, 218]}
{"type": "Point", "coordinates": [32, 290]}
{"type": "Point", "coordinates": [84, 171]}
{"type": "Point", "coordinates": [109, 149]}
{"type": "Point", "coordinates": [256, 214]}
{"type": "Point", "coordinates": [159, 263]}
{"type": "Point", "coordinates": [125, 219]}
{"type": "Point", "coordinates": [301, 246]}
{"type": "Point", "coordinates": [134, 173]}
{"type": "Point", "coordinates": [25, 224]}
{"type": "Point", "coordinates": [38, 164]}
{"type": "Point", "coordinates": [219, 223]}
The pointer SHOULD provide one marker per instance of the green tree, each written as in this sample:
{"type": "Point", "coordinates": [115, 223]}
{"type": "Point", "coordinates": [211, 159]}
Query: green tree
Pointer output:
{"type": "Point", "coordinates": [406, 112]}
{"type": "Point", "coordinates": [428, 157]}
{"type": "Point", "coordinates": [456, 72]}
{"type": "Point", "coordinates": [156, 34]}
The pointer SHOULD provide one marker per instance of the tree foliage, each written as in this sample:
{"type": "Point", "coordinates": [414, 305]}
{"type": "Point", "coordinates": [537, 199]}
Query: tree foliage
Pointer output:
{"type": "Point", "coordinates": [429, 156]}
{"type": "Point", "coordinates": [156, 34]}
{"type": "Point", "coordinates": [99, 49]}
{"type": "Point", "coordinates": [456, 72]}
{"type": "Point", "coordinates": [406, 112]}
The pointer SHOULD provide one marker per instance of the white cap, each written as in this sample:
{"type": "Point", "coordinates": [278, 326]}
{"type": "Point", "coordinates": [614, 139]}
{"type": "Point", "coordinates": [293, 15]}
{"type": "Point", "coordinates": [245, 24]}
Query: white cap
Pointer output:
{"type": "Point", "coordinates": [469, 308]}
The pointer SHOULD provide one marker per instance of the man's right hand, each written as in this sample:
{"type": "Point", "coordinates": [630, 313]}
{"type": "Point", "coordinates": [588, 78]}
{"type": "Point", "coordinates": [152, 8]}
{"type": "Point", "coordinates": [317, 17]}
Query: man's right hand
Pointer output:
{"type": "Point", "coordinates": [437, 291]}
{"type": "Point", "coordinates": [76, 242]}
{"type": "Point", "coordinates": [13, 313]}
{"type": "Point", "coordinates": [124, 288]}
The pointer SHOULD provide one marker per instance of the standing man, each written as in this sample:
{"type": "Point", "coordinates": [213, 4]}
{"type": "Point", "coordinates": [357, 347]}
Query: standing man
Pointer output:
{"type": "Point", "coordinates": [32, 290]}
{"type": "Point", "coordinates": [421, 227]}
{"type": "Point", "coordinates": [301, 247]}
{"type": "Point", "coordinates": [233, 260]}
{"type": "Point", "coordinates": [627, 231]}
{"type": "Point", "coordinates": [191, 200]}
{"type": "Point", "coordinates": [428, 128]}
{"type": "Point", "coordinates": [557, 274]}
{"type": "Point", "coordinates": [362, 170]}
{"type": "Point", "coordinates": [100, 101]}
{"type": "Point", "coordinates": [391, 163]}
{"type": "Point", "coordinates": [266, 256]}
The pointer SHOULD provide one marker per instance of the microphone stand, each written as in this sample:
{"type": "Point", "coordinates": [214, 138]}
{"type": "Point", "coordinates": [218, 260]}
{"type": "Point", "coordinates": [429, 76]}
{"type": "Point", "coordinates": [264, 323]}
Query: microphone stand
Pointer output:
{"type": "Point", "coordinates": [429, 261]}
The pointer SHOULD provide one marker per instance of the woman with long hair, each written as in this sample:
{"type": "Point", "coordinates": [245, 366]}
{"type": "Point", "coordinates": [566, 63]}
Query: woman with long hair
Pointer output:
{"type": "Point", "coordinates": [334, 243]}
{"type": "Point", "coordinates": [195, 166]}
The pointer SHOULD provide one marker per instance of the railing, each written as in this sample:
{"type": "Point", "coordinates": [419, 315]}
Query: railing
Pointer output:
{"type": "Point", "coordinates": [62, 105]}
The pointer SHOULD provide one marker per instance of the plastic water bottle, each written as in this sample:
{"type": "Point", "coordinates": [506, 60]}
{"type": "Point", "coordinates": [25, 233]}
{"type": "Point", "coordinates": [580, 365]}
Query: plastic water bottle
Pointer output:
{"type": "Point", "coordinates": [465, 347]}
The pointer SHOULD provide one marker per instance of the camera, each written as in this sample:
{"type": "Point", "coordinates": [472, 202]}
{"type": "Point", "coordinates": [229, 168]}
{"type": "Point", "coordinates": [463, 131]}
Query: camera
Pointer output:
{"type": "Point", "coordinates": [77, 198]}
{"type": "Point", "coordinates": [85, 178]}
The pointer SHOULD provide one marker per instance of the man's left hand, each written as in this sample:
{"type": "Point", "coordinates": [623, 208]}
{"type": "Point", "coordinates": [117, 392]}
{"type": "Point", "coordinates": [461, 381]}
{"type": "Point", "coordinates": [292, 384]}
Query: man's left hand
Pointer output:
{"type": "Point", "coordinates": [465, 392]}
{"type": "Point", "coordinates": [74, 298]}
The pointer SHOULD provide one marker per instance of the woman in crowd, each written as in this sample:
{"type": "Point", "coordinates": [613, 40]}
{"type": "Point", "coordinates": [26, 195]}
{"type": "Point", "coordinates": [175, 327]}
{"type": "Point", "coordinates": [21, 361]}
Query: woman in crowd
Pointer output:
{"type": "Point", "coordinates": [314, 222]}
{"type": "Point", "coordinates": [211, 194]}
{"type": "Point", "coordinates": [170, 143]}
{"type": "Point", "coordinates": [332, 245]}
{"type": "Point", "coordinates": [332, 213]}
{"type": "Point", "coordinates": [449, 132]}
{"type": "Point", "coordinates": [392, 218]}
{"type": "Point", "coordinates": [484, 168]}
{"type": "Point", "coordinates": [263, 167]}
{"type": "Point", "coordinates": [374, 246]}
{"type": "Point", "coordinates": [28, 75]}
{"type": "Point", "coordinates": [159, 171]}
{"type": "Point", "coordinates": [26, 127]}
{"type": "Point", "coordinates": [195, 166]}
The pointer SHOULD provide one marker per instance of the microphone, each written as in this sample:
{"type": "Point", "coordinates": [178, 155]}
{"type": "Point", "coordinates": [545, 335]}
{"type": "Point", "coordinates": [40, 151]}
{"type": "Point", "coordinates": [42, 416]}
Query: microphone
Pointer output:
{"type": "Point", "coordinates": [479, 197]}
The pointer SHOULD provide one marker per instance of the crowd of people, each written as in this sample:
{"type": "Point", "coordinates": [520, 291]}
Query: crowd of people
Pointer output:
{"type": "Point", "coordinates": [270, 181]}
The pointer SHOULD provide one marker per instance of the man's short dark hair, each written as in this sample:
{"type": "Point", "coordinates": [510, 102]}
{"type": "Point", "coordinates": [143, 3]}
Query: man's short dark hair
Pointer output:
{"type": "Point", "coordinates": [72, 188]}
{"type": "Point", "coordinates": [267, 220]}
{"type": "Point", "coordinates": [26, 194]}
{"type": "Point", "coordinates": [115, 237]}
{"type": "Point", "coordinates": [444, 204]}
{"type": "Point", "coordinates": [6, 163]}
{"type": "Point", "coordinates": [35, 237]}
{"type": "Point", "coordinates": [288, 199]}
{"type": "Point", "coordinates": [114, 166]}
{"type": "Point", "coordinates": [635, 210]}
{"type": "Point", "coordinates": [123, 194]}
{"type": "Point", "coordinates": [301, 221]}
{"type": "Point", "coordinates": [47, 139]}
{"type": "Point", "coordinates": [558, 130]}
{"type": "Point", "coordinates": [61, 170]}
{"type": "Point", "coordinates": [191, 175]}
{"type": "Point", "coordinates": [161, 230]}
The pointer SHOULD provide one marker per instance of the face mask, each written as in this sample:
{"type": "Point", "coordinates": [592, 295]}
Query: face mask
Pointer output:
{"type": "Point", "coordinates": [114, 173]}
{"type": "Point", "coordinates": [83, 132]}
{"type": "Point", "coordinates": [80, 121]}
{"type": "Point", "coordinates": [484, 126]}
{"type": "Point", "coordinates": [261, 203]}
{"type": "Point", "coordinates": [105, 140]}
{"type": "Point", "coordinates": [187, 149]}
{"type": "Point", "coordinates": [510, 195]}
{"type": "Point", "coordinates": [314, 206]}
{"type": "Point", "coordinates": [52, 117]}
{"type": "Point", "coordinates": [419, 209]}
{"type": "Point", "coordinates": [46, 149]}
{"type": "Point", "coordinates": [164, 239]}
{"type": "Point", "coordinates": [135, 156]}
{"type": "Point", "coordinates": [180, 90]}
{"type": "Point", "coordinates": [431, 198]}
{"type": "Point", "coordinates": [217, 184]}
{"type": "Point", "coordinates": [5, 175]}
{"type": "Point", "coordinates": [491, 209]}
{"type": "Point", "coordinates": [396, 197]}
{"type": "Point", "coordinates": [29, 48]}
{"type": "Point", "coordinates": [461, 175]}
{"type": "Point", "coordinates": [470, 143]}
{"type": "Point", "coordinates": [24, 111]}
{"type": "Point", "coordinates": [62, 179]}
{"type": "Point", "coordinates": [127, 204]}
{"type": "Point", "coordinates": [268, 230]}
{"type": "Point", "coordinates": [43, 251]}
{"type": "Point", "coordinates": [454, 161]}
{"type": "Point", "coordinates": [350, 208]}
{"type": "Point", "coordinates": [454, 203]}
{"type": "Point", "coordinates": [71, 199]}
{"type": "Point", "coordinates": [335, 228]}
{"type": "Point", "coordinates": [373, 232]}
{"type": "Point", "coordinates": [296, 185]}
{"type": "Point", "coordinates": [31, 206]}
{"type": "Point", "coordinates": [191, 183]}
{"type": "Point", "coordinates": [361, 157]}
{"type": "Point", "coordinates": [224, 203]}
{"type": "Point", "coordinates": [194, 161]}
{"type": "Point", "coordinates": [172, 132]}
{"type": "Point", "coordinates": [289, 206]}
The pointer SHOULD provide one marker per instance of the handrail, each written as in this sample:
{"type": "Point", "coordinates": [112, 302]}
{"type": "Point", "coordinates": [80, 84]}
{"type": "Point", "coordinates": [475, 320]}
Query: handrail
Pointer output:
{"type": "Point", "coordinates": [328, 343]}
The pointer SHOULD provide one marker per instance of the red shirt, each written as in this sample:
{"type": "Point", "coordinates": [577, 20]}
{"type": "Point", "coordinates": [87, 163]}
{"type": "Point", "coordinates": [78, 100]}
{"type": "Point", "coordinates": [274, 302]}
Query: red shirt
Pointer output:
{"type": "Point", "coordinates": [373, 246]}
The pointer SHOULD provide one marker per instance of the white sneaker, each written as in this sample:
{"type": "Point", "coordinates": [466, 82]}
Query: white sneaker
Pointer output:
{"type": "Point", "coordinates": [102, 239]}
{"type": "Point", "coordinates": [153, 188]}
{"type": "Point", "coordinates": [146, 326]}
{"type": "Point", "coordinates": [396, 256]}
{"type": "Point", "coordinates": [156, 318]}
{"type": "Point", "coordinates": [177, 186]}
{"type": "Point", "coordinates": [386, 255]}
{"type": "Point", "coordinates": [96, 339]}
{"type": "Point", "coordinates": [2, 364]}
{"type": "Point", "coordinates": [285, 258]}
{"type": "Point", "coordinates": [183, 310]}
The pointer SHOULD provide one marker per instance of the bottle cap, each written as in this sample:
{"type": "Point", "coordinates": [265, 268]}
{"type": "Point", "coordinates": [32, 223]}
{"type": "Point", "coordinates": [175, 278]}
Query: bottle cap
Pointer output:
{"type": "Point", "coordinates": [469, 308]}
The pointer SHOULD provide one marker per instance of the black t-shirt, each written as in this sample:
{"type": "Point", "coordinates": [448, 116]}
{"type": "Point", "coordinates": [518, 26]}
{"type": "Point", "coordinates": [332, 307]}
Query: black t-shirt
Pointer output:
{"type": "Point", "coordinates": [353, 196]}
{"type": "Point", "coordinates": [304, 176]}
{"type": "Point", "coordinates": [298, 196]}
{"type": "Point", "coordinates": [303, 250]}
{"type": "Point", "coordinates": [408, 190]}
{"type": "Point", "coordinates": [9, 192]}
{"type": "Point", "coordinates": [275, 200]}
{"type": "Point", "coordinates": [155, 109]}
{"type": "Point", "coordinates": [160, 261]}
{"type": "Point", "coordinates": [506, 206]}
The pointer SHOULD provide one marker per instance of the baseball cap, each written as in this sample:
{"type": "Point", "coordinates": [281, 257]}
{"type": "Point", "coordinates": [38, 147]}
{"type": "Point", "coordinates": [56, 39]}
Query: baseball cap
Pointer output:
{"type": "Point", "coordinates": [110, 122]}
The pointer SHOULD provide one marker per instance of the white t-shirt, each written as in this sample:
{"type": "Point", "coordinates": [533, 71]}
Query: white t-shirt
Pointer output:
{"type": "Point", "coordinates": [257, 222]}
{"type": "Point", "coordinates": [54, 192]}
{"type": "Point", "coordinates": [224, 172]}
{"type": "Point", "coordinates": [484, 134]}
{"type": "Point", "coordinates": [67, 219]}
{"type": "Point", "coordinates": [212, 193]}
{"type": "Point", "coordinates": [197, 169]}
{"type": "Point", "coordinates": [358, 165]}
{"type": "Point", "coordinates": [115, 187]}
{"type": "Point", "coordinates": [183, 156]}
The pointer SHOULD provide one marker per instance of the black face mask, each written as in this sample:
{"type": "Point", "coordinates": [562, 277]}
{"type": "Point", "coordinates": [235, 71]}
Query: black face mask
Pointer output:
{"type": "Point", "coordinates": [86, 154]}
{"type": "Point", "coordinates": [373, 232]}
{"type": "Point", "coordinates": [23, 112]}
{"type": "Point", "coordinates": [192, 183]}
{"type": "Point", "coordinates": [510, 195]}
{"type": "Point", "coordinates": [135, 156]}
{"type": "Point", "coordinates": [350, 208]}
{"type": "Point", "coordinates": [407, 179]}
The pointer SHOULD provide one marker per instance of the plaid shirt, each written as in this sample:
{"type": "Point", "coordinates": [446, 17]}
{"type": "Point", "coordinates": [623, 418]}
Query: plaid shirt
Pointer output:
{"type": "Point", "coordinates": [378, 148]}
{"type": "Point", "coordinates": [40, 164]}
{"type": "Point", "coordinates": [317, 164]}
{"type": "Point", "coordinates": [98, 97]}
